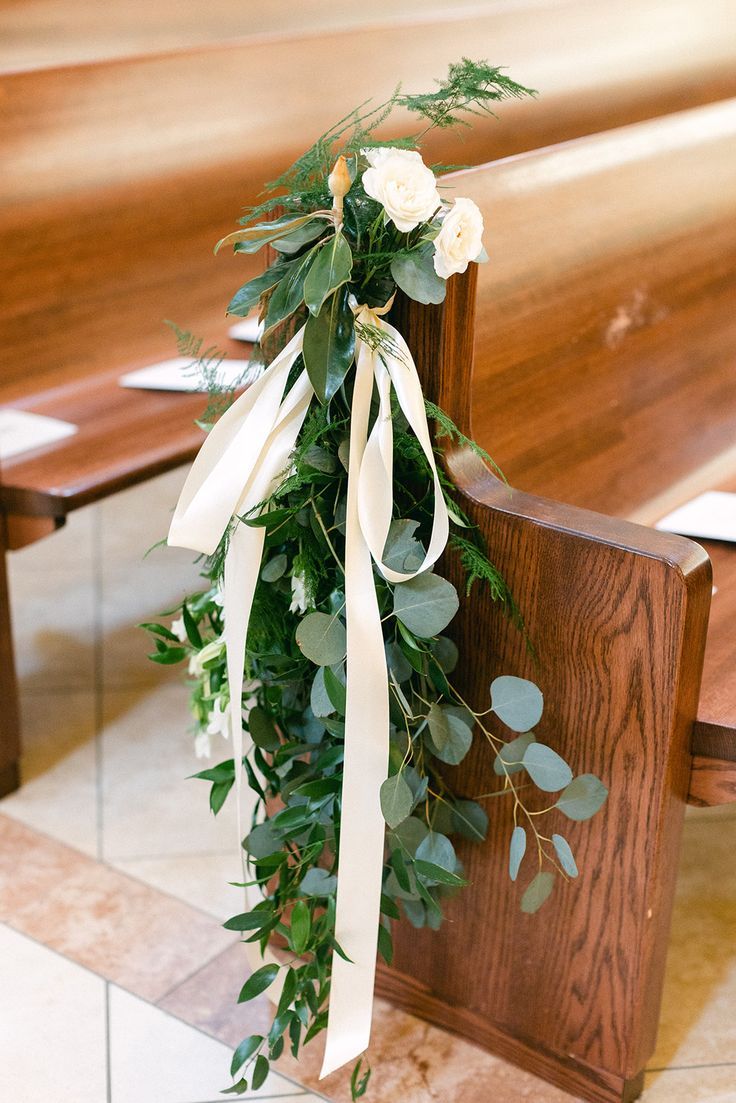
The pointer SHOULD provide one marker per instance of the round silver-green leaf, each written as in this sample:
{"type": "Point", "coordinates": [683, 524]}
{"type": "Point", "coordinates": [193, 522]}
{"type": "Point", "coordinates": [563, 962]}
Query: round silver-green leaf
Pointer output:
{"type": "Point", "coordinates": [397, 800]}
{"type": "Point", "coordinates": [425, 604]}
{"type": "Point", "coordinates": [546, 768]}
{"type": "Point", "coordinates": [517, 849]}
{"type": "Point", "coordinates": [322, 638]}
{"type": "Point", "coordinates": [582, 798]}
{"type": "Point", "coordinates": [537, 892]}
{"type": "Point", "coordinates": [564, 853]}
{"type": "Point", "coordinates": [517, 702]}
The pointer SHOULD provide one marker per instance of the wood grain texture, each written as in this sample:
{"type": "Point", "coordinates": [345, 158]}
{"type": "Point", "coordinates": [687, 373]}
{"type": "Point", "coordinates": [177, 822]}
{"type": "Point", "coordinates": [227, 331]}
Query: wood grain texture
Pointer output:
{"type": "Point", "coordinates": [606, 326]}
{"type": "Point", "coordinates": [618, 616]}
{"type": "Point", "coordinates": [712, 781]}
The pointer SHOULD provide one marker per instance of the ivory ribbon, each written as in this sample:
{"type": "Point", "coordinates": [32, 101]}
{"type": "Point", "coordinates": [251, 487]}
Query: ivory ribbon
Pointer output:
{"type": "Point", "coordinates": [238, 467]}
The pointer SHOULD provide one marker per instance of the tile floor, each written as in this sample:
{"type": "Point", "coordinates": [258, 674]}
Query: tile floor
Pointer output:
{"type": "Point", "coordinates": [107, 852]}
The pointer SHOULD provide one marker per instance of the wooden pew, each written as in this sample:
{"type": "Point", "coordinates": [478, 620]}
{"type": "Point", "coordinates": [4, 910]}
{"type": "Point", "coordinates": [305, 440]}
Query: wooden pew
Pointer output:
{"type": "Point", "coordinates": [605, 340]}
{"type": "Point", "coordinates": [118, 177]}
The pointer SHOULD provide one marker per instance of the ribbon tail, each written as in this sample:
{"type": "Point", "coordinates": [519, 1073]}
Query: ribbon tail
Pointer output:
{"type": "Point", "coordinates": [360, 862]}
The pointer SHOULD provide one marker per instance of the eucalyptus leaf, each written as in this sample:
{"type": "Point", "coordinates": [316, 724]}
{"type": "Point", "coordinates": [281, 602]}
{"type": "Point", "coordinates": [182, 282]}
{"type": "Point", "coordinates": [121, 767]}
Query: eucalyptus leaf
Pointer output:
{"type": "Point", "coordinates": [517, 702]}
{"type": "Point", "coordinates": [320, 459]}
{"type": "Point", "coordinates": [318, 882]}
{"type": "Point", "coordinates": [459, 735]}
{"type": "Point", "coordinates": [402, 551]}
{"type": "Point", "coordinates": [397, 800]}
{"type": "Point", "coordinates": [582, 798]}
{"type": "Point", "coordinates": [262, 841]}
{"type": "Point", "coordinates": [537, 892]}
{"type": "Point", "coordinates": [331, 269]}
{"type": "Point", "coordinates": [517, 849]}
{"type": "Point", "coordinates": [470, 820]}
{"type": "Point", "coordinates": [322, 638]}
{"type": "Point", "coordinates": [425, 604]}
{"type": "Point", "coordinates": [438, 850]}
{"type": "Point", "coordinates": [445, 652]}
{"type": "Point", "coordinates": [274, 569]}
{"type": "Point", "coordinates": [319, 698]}
{"type": "Point", "coordinates": [410, 833]}
{"type": "Point", "coordinates": [397, 663]}
{"type": "Point", "coordinates": [329, 345]}
{"type": "Point", "coordinates": [564, 853]}
{"type": "Point", "coordinates": [439, 726]}
{"type": "Point", "coordinates": [510, 759]}
{"type": "Point", "coordinates": [415, 275]}
{"type": "Point", "coordinates": [546, 768]}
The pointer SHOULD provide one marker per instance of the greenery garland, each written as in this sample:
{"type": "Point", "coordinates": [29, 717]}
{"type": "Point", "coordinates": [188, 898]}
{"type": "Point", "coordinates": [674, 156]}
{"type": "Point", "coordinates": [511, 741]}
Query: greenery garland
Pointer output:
{"type": "Point", "coordinates": [338, 240]}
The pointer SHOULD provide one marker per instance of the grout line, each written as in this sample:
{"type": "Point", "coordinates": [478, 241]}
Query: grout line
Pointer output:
{"type": "Point", "coordinates": [688, 1068]}
{"type": "Point", "coordinates": [108, 1062]}
{"type": "Point", "coordinates": [98, 675]}
{"type": "Point", "coordinates": [166, 855]}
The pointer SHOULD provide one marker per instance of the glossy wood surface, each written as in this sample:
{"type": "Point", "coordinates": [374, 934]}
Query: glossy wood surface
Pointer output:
{"type": "Point", "coordinates": [9, 711]}
{"type": "Point", "coordinates": [617, 614]}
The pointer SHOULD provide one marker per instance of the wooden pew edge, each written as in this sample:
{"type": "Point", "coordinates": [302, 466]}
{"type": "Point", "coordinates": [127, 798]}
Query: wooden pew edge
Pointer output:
{"type": "Point", "coordinates": [713, 770]}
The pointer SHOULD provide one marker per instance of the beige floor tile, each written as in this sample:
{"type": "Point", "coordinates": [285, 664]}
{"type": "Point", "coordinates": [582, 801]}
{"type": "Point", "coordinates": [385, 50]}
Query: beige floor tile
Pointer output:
{"type": "Point", "coordinates": [417, 1063]}
{"type": "Point", "coordinates": [59, 784]}
{"type": "Point", "coordinates": [52, 1029]}
{"type": "Point", "coordinates": [155, 1058]}
{"type": "Point", "coordinates": [704, 1085]}
{"type": "Point", "coordinates": [73, 545]}
{"type": "Point", "coordinates": [53, 627]}
{"type": "Point", "coordinates": [136, 519]}
{"type": "Point", "coordinates": [208, 1000]}
{"type": "Point", "coordinates": [151, 808]}
{"type": "Point", "coordinates": [697, 1024]}
{"type": "Point", "coordinates": [131, 594]}
{"type": "Point", "coordinates": [201, 880]}
{"type": "Point", "coordinates": [128, 933]}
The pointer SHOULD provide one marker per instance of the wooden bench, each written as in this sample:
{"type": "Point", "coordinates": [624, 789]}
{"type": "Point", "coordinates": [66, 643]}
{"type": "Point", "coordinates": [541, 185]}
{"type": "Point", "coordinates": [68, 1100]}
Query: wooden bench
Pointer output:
{"type": "Point", "coordinates": [118, 177]}
{"type": "Point", "coordinates": [605, 343]}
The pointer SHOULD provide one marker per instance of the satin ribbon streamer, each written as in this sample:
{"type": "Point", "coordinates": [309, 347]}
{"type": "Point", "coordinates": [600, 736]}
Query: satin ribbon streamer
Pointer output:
{"type": "Point", "coordinates": [239, 465]}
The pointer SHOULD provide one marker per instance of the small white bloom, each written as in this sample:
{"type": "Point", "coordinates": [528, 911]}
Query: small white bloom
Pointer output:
{"type": "Point", "coordinates": [210, 650]}
{"type": "Point", "coordinates": [402, 184]}
{"type": "Point", "coordinates": [202, 748]}
{"type": "Point", "coordinates": [177, 627]}
{"type": "Point", "coordinates": [218, 596]}
{"type": "Point", "coordinates": [299, 602]}
{"type": "Point", "coordinates": [218, 719]}
{"type": "Point", "coordinates": [459, 240]}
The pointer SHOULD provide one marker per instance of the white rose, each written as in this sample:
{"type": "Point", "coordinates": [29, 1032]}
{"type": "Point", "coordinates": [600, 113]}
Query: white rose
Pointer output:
{"type": "Point", "coordinates": [403, 185]}
{"type": "Point", "coordinates": [459, 240]}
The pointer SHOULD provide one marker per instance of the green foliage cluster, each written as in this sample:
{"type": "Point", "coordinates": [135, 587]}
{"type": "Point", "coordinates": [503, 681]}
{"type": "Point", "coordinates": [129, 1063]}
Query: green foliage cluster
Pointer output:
{"type": "Point", "coordinates": [295, 669]}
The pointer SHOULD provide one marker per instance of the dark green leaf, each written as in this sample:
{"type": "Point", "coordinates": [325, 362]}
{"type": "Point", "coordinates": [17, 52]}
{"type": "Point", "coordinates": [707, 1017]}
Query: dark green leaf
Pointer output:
{"type": "Point", "coordinates": [335, 690]}
{"type": "Point", "coordinates": [297, 239]}
{"type": "Point", "coordinates": [245, 1050]}
{"type": "Point", "coordinates": [248, 921]}
{"type": "Point", "coordinates": [289, 294]}
{"type": "Point", "coordinates": [169, 657]}
{"type": "Point", "coordinates": [470, 820]}
{"type": "Point", "coordinates": [289, 989]}
{"type": "Point", "coordinates": [385, 944]}
{"type": "Point", "coordinates": [258, 982]}
{"type": "Point", "coordinates": [249, 294]}
{"type": "Point", "coordinates": [436, 875]}
{"type": "Point", "coordinates": [260, 1072]}
{"type": "Point", "coordinates": [193, 634]}
{"type": "Point", "coordinates": [159, 630]}
{"type": "Point", "coordinates": [329, 345]}
{"type": "Point", "coordinates": [301, 926]}
{"type": "Point", "coordinates": [262, 731]}
{"type": "Point", "coordinates": [218, 795]}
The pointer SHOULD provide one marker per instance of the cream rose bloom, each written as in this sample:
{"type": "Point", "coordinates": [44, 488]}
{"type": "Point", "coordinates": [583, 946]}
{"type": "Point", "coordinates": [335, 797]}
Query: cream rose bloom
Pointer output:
{"type": "Point", "coordinates": [403, 185]}
{"type": "Point", "coordinates": [459, 240]}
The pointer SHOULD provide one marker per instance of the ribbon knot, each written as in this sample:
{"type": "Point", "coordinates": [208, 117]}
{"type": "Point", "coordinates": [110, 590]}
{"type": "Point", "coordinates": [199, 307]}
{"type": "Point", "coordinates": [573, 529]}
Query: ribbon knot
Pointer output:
{"type": "Point", "coordinates": [239, 466]}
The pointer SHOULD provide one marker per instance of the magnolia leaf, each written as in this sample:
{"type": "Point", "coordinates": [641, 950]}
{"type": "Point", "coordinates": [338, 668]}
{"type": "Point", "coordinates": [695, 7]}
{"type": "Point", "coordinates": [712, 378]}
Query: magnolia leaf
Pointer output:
{"type": "Point", "coordinates": [509, 760]}
{"type": "Point", "coordinates": [329, 345]}
{"type": "Point", "coordinates": [459, 736]}
{"type": "Point", "coordinates": [318, 882]}
{"type": "Point", "coordinates": [517, 849]}
{"type": "Point", "coordinates": [537, 892]}
{"type": "Point", "coordinates": [582, 798]}
{"type": "Point", "coordinates": [546, 768]}
{"type": "Point", "coordinates": [470, 820]}
{"type": "Point", "coordinates": [274, 569]}
{"type": "Point", "coordinates": [332, 267]}
{"type": "Point", "coordinates": [438, 850]}
{"type": "Point", "coordinates": [415, 275]}
{"type": "Point", "coordinates": [289, 294]}
{"type": "Point", "coordinates": [301, 926]}
{"type": "Point", "coordinates": [425, 604]}
{"type": "Point", "coordinates": [302, 235]}
{"type": "Point", "coordinates": [322, 639]}
{"type": "Point", "coordinates": [249, 295]}
{"type": "Point", "coordinates": [258, 982]}
{"type": "Point", "coordinates": [564, 853]}
{"type": "Point", "coordinates": [397, 800]}
{"type": "Point", "coordinates": [517, 702]}
{"type": "Point", "coordinates": [402, 551]}
{"type": "Point", "coordinates": [252, 238]}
